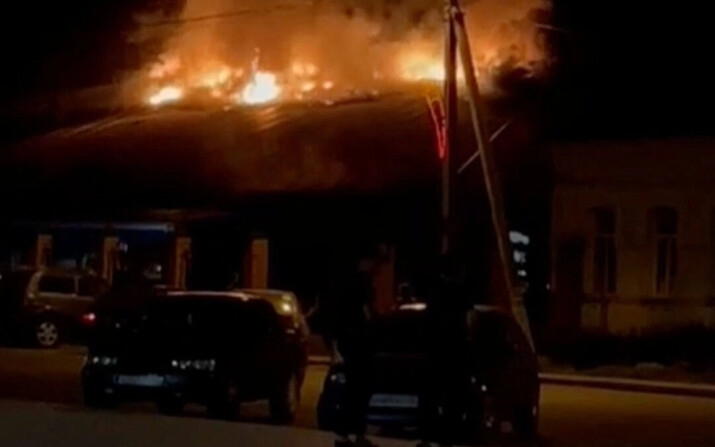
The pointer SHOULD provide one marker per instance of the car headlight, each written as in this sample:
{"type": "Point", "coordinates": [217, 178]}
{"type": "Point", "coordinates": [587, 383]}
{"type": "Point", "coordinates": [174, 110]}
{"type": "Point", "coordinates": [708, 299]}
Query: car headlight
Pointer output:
{"type": "Point", "coordinates": [194, 365]}
{"type": "Point", "coordinates": [338, 378]}
{"type": "Point", "coordinates": [478, 384]}
{"type": "Point", "coordinates": [286, 308]}
{"type": "Point", "coordinates": [102, 360]}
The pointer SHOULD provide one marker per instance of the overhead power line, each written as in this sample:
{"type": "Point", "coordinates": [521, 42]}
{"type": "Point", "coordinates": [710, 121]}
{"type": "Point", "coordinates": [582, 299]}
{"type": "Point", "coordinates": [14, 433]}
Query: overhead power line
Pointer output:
{"type": "Point", "coordinates": [225, 15]}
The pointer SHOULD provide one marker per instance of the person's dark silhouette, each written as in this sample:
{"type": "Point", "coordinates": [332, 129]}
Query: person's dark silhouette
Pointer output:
{"type": "Point", "coordinates": [441, 404]}
{"type": "Point", "coordinates": [348, 311]}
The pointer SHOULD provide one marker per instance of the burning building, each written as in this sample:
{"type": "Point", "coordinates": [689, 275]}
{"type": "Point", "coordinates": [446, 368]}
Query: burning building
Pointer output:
{"type": "Point", "coordinates": [239, 150]}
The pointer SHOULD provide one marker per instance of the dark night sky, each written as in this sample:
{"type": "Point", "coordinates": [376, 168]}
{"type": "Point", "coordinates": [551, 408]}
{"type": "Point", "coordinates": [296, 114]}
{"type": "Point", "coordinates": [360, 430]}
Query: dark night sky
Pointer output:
{"type": "Point", "coordinates": [625, 67]}
{"type": "Point", "coordinates": [48, 45]}
{"type": "Point", "coordinates": [631, 68]}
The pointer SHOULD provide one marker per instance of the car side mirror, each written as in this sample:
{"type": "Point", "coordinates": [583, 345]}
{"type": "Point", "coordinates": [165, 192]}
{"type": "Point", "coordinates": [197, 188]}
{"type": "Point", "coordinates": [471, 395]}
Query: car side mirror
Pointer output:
{"type": "Point", "coordinates": [512, 348]}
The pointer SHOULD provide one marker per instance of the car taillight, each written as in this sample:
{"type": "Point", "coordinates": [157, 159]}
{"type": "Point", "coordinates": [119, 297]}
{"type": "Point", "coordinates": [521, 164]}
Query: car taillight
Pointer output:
{"type": "Point", "coordinates": [89, 318]}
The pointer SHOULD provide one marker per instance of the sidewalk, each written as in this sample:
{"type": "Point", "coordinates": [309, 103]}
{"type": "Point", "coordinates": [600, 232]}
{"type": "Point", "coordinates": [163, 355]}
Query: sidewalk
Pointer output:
{"type": "Point", "coordinates": [614, 383]}
{"type": "Point", "coordinates": [24, 424]}
{"type": "Point", "coordinates": [621, 384]}
{"type": "Point", "coordinates": [319, 360]}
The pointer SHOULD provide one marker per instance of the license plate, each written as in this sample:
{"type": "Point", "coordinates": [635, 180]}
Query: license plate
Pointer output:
{"type": "Point", "coordinates": [148, 380]}
{"type": "Point", "coordinates": [394, 401]}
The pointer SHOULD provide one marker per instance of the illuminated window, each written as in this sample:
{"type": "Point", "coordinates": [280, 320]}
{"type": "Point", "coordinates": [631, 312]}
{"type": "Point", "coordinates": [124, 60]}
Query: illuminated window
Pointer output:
{"type": "Point", "coordinates": [604, 251]}
{"type": "Point", "coordinates": [520, 245]}
{"type": "Point", "coordinates": [666, 249]}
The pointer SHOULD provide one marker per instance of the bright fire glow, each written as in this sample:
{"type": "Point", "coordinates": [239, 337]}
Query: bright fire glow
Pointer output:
{"type": "Point", "coordinates": [263, 88]}
{"type": "Point", "coordinates": [308, 86]}
{"type": "Point", "coordinates": [301, 69]}
{"type": "Point", "coordinates": [216, 79]}
{"type": "Point", "coordinates": [166, 66]}
{"type": "Point", "coordinates": [166, 95]}
{"type": "Point", "coordinates": [171, 80]}
{"type": "Point", "coordinates": [326, 54]}
{"type": "Point", "coordinates": [421, 67]}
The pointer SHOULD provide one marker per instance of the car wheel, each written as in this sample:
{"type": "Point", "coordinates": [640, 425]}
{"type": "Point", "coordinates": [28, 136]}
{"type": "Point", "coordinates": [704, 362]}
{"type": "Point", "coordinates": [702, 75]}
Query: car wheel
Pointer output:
{"type": "Point", "coordinates": [325, 414]}
{"type": "Point", "coordinates": [96, 398]}
{"type": "Point", "coordinates": [226, 405]}
{"type": "Point", "coordinates": [47, 333]}
{"type": "Point", "coordinates": [170, 405]}
{"type": "Point", "coordinates": [487, 424]}
{"type": "Point", "coordinates": [284, 402]}
{"type": "Point", "coordinates": [526, 421]}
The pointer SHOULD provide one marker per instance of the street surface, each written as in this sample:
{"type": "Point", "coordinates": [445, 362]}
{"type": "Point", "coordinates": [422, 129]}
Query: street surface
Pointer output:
{"type": "Point", "coordinates": [570, 416]}
{"type": "Point", "coordinates": [54, 376]}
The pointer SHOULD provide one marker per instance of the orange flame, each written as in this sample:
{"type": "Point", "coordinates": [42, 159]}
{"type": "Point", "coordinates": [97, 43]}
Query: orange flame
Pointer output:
{"type": "Point", "coordinates": [215, 79]}
{"type": "Point", "coordinates": [421, 67]}
{"type": "Point", "coordinates": [166, 95]}
{"type": "Point", "coordinates": [263, 88]}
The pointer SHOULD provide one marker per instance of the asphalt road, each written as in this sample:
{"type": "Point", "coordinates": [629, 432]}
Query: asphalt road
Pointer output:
{"type": "Point", "coordinates": [54, 376]}
{"type": "Point", "coordinates": [570, 416]}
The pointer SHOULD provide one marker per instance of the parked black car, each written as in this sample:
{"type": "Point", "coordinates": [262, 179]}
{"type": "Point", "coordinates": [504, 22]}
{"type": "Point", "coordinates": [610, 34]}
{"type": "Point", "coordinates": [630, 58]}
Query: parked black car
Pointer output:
{"type": "Point", "coordinates": [286, 305]}
{"type": "Point", "coordinates": [47, 306]}
{"type": "Point", "coordinates": [502, 385]}
{"type": "Point", "coordinates": [212, 348]}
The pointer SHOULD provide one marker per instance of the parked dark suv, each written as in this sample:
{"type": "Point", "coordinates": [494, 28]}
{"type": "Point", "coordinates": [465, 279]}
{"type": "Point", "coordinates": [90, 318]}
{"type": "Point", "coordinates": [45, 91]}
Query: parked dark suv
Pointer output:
{"type": "Point", "coordinates": [212, 348]}
{"type": "Point", "coordinates": [47, 306]}
{"type": "Point", "coordinates": [502, 386]}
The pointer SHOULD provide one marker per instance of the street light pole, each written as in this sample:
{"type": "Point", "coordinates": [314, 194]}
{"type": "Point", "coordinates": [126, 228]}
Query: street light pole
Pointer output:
{"type": "Point", "coordinates": [450, 129]}
{"type": "Point", "coordinates": [491, 180]}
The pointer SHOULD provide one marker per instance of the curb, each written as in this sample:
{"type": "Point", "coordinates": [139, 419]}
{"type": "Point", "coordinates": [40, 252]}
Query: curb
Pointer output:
{"type": "Point", "coordinates": [640, 386]}
{"type": "Point", "coordinates": [318, 360]}
{"type": "Point", "coordinates": [609, 383]}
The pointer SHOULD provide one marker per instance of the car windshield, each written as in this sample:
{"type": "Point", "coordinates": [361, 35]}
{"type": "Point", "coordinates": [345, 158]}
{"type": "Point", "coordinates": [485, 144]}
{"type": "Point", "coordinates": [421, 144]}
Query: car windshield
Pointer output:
{"type": "Point", "coordinates": [205, 314]}
{"type": "Point", "coordinates": [57, 284]}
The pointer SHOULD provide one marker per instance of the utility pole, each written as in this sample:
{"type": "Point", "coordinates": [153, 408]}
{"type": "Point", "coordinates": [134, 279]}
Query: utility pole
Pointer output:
{"type": "Point", "coordinates": [491, 180]}
{"type": "Point", "coordinates": [450, 131]}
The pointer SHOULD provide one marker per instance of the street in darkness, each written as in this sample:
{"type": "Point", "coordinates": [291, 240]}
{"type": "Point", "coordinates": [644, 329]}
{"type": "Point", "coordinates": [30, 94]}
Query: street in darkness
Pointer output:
{"type": "Point", "coordinates": [570, 415]}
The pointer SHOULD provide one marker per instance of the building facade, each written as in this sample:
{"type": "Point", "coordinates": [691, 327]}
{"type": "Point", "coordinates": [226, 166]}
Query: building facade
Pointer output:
{"type": "Point", "coordinates": [633, 236]}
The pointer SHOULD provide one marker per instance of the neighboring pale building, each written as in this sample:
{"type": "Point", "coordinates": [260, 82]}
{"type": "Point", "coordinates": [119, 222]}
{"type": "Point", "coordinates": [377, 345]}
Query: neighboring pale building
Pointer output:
{"type": "Point", "coordinates": [633, 236]}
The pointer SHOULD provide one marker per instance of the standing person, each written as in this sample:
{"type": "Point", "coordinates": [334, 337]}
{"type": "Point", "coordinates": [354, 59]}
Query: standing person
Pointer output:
{"type": "Point", "coordinates": [441, 403]}
{"type": "Point", "coordinates": [348, 310]}
{"type": "Point", "coordinates": [405, 294]}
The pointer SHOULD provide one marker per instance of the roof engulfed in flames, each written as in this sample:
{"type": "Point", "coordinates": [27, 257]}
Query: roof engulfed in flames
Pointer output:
{"type": "Point", "coordinates": [325, 57]}
{"type": "Point", "coordinates": [169, 83]}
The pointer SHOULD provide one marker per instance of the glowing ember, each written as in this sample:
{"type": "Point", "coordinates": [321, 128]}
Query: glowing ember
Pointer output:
{"type": "Point", "coordinates": [308, 86]}
{"type": "Point", "coordinates": [166, 95]}
{"type": "Point", "coordinates": [311, 70]}
{"type": "Point", "coordinates": [263, 88]}
{"type": "Point", "coordinates": [300, 69]}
